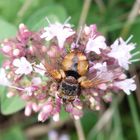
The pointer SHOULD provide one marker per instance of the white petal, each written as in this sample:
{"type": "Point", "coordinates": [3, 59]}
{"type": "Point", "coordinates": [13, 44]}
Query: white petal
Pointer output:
{"type": "Point", "coordinates": [28, 110]}
{"type": "Point", "coordinates": [23, 66]}
{"type": "Point", "coordinates": [126, 85]}
{"type": "Point", "coordinates": [18, 71]}
{"type": "Point", "coordinates": [60, 31]}
{"type": "Point", "coordinates": [36, 81]}
{"type": "Point", "coordinates": [16, 62]}
{"type": "Point", "coordinates": [23, 60]}
{"type": "Point", "coordinates": [120, 50]}
{"type": "Point", "coordinates": [101, 66]}
{"type": "Point", "coordinates": [61, 41]}
{"type": "Point", "coordinates": [96, 44]}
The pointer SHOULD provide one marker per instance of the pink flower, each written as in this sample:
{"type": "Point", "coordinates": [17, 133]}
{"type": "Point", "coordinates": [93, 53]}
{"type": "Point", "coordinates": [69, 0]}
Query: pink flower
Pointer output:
{"type": "Point", "coordinates": [60, 31]}
{"type": "Point", "coordinates": [47, 108]}
{"type": "Point", "coordinates": [91, 31]}
{"type": "Point", "coordinates": [77, 113]}
{"type": "Point", "coordinates": [42, 116]}
{"type": "Point", "coordinates": [24, 34]}
{"type": "Point", "coordinates": [120, 50]}
{"type": "Point", "coordinates": [56, 117]}
{"type": "Point", "coordinates": [95, 44]}
{"type": "Point", "coordinates": [102, 86]}
{"type": "Point", "coordinates": [101, 66]}
{"type": "Point", "coordinates": [28, 109]}
{"type": "Point", "coordinates": [6, 48]}
{"type": "Point", "coordinates": [35, 70]}
{"type": "Point", "coordinates": [23, 66]}
{"type": "Point", "coordinates": [36, 81]}
{"type": "Point", "coordinates": [29, 91]}
{"type": "Point", "coordinates": [126, 85]}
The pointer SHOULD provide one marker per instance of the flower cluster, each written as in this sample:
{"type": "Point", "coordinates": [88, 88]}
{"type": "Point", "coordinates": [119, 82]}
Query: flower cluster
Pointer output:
{"type": "Point", "coordinates": [32, 56]}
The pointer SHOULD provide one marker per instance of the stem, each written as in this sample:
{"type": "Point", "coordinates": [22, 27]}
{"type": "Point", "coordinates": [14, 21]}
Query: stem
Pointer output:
{"type": "Point", "coordinates": [41, 129]}
{"type": "Point", "coordinates": [79, 129]}
{"type": "Point", "coordinates": [84, 13]}
{"type": "Point", "coordinates": [24, 8]}
{"type": "Point", "coordinates": [101, 5]}
{"type": "Point", "coordinates": [105, 118]}
{"type": "Point", "coordinates": [134, 115]}
{"type": "Point", "coordinates": [18, 88]}
{"type": "Point", "coordinates": [118, 124]}
{"type": "Point", "coordinates": [131, 18]}
{"type": "Point", "coordinates": [26, 5]}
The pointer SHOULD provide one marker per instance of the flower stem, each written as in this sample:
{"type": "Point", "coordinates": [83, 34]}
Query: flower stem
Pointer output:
{"type": "Point", "coordinates": [134, 115]}
{"type": "Point", "coordinates": [131, 18]}
{"type": "Point", "coordinates": [105, 119]}
{"type": "Point", "coordinates": [18, 88]}
{"type": "Point", "coordinates": [41, 129]}
{"type": "Point", "coordinates": [101, 5]}
{"type": "Point", "coordinates": [84, 13]}
{"type": "Point", "coordinates": [26, 5]}
{"type": "Point", "coordinates": [79, 129]}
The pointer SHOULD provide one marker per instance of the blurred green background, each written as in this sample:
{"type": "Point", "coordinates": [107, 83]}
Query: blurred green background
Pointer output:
{"type": "Point", "coordinates": [114, 18]}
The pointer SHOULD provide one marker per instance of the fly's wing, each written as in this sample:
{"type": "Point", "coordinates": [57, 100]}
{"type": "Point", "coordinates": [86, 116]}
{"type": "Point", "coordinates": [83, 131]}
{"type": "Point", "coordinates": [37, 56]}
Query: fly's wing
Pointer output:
{"type": "Point", "coordinates": [52, 71]}
{"type": "Point", "coordinates": [102, 76]}
{"type": "Point", "coordinates": [97, 80]}
{"type": "Point", "coordinates": [52, 62]}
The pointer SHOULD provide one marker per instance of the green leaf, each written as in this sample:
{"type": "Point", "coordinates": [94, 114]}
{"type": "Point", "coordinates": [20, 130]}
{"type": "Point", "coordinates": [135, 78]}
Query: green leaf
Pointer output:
{"type": "Point", "coordinates": [10, 105]}
{"type": "Point", "coordinates": [6, 29]}
{"type": "Point", "coordinates": [14, 133]}
{"type": "Point", "coordinates": [52, 12]}
{"type": "Point", "coordinates": [9, 10]}
{"type": "Point", "coordinates": [1, 58]}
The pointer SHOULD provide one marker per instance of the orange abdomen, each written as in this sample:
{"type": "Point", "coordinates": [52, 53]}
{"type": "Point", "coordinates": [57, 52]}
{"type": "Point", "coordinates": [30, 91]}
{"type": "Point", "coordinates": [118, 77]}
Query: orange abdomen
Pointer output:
{"type": "Point", "coordinates": [75, 61]}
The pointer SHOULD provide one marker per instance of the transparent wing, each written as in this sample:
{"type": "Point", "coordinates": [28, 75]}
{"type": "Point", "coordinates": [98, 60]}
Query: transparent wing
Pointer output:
{"type": "Point", "coordinates": [102, 76]}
